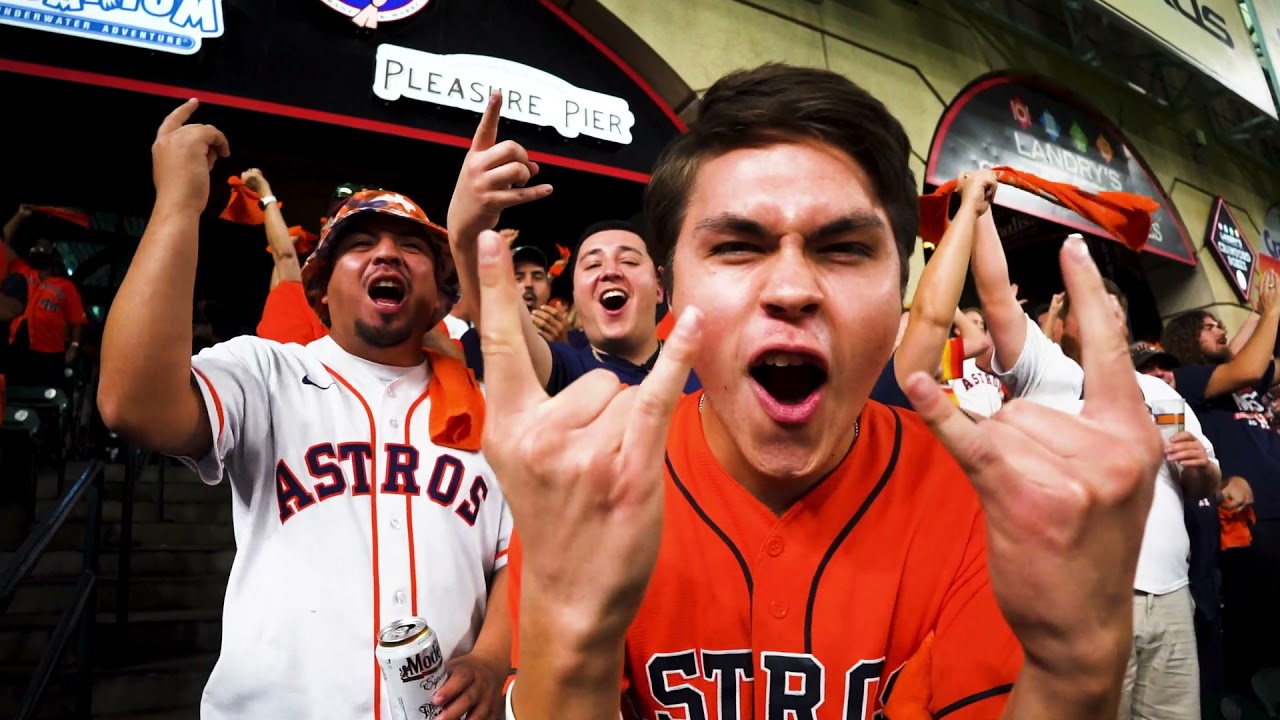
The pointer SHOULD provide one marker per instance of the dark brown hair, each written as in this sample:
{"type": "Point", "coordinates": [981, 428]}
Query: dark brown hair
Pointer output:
{"type": "Point", "coordinates": [777, 103]}
{"type": "Point", "coordinates": [1181, 337]}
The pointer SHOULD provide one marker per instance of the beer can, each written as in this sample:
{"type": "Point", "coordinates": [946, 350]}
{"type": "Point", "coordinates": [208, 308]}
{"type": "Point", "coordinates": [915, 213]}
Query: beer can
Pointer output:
{"type": "Point", "coordinates": [412, 666]}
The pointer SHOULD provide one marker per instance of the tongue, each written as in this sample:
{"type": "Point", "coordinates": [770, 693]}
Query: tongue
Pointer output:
{"type": "Point", "coordinates": [788, 385]}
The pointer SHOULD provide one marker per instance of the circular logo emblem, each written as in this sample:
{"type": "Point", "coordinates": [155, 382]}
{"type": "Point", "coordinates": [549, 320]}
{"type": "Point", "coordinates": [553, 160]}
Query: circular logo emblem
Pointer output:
{"type": "Point", "coordinates": [368, 13]}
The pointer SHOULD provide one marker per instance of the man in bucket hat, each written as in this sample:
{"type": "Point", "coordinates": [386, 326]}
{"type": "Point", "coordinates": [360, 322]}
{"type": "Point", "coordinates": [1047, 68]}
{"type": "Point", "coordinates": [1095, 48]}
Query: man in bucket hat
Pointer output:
{"type": "Point", "coordinates": [360, 496]}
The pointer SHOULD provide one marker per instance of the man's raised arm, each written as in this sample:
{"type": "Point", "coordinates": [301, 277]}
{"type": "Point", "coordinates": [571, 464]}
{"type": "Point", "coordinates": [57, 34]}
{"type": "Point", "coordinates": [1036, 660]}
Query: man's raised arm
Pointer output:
{"type": "Point", "coordinates": [493, 178]}
{"type": "Point", "coordinates": [145, 392]}
{"type": "Point", "coordinates": [1006, 320]}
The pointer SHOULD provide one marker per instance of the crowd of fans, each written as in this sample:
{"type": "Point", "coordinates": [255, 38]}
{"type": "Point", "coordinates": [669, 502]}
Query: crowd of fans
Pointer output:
{"type": "Point", "coordinates": [1206, 594]}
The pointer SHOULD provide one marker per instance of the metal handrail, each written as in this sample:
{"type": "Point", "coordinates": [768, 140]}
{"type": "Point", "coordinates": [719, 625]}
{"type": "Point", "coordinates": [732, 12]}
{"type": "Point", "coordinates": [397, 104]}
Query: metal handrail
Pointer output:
{"type": "Point", "coordinates": [29, 553]}
{"type": "Point", "coordinates": [67, 624]}
{"type": "Point", "coordinates": [80, 616]}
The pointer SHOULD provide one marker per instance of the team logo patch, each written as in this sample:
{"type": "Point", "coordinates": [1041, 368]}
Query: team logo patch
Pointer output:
{"type": "Point", "coordinates": [368, 13]}
{"type": "Point", "coordinates": [174, 26]}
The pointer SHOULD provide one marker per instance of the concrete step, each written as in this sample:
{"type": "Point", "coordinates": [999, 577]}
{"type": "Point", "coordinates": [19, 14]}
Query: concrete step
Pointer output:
{"type": "Point", "coordinates": [167, 686]}
{"type": "Point", "coordinates": [54, 595]}
{"type": "Point", "coordinates": [146, 636]}
{"type": "Point", "coordinates": [149, 534]}
{"type": "Point", "coordinates": [213, 507]}
{"type": "Point", "coordinates": [189, 561]}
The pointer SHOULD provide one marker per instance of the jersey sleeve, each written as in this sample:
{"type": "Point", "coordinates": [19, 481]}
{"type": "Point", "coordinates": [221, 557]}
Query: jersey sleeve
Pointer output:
{"type": "Point", "coordinates": [471, 352]}
{"type": "Point", "coordinates": [976, 657]}
{"type": "Point", "coordinates": [73, 309]}
{"type": "Point", "coordinates": [502, 553]}
{"type": "Point", "coordinates": [233, 380]}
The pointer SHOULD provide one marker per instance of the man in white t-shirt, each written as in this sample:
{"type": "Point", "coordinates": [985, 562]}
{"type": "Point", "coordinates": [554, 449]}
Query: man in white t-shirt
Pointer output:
{"type": "Point", "coordinates": [1162, 678]}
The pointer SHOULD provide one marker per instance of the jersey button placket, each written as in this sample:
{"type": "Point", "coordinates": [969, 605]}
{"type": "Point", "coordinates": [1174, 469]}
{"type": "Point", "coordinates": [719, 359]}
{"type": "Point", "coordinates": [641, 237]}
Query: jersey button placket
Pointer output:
{"type": "Point", "coordinates": [778, 609]}
{"type": "Point", "coordinates": [775, 546]}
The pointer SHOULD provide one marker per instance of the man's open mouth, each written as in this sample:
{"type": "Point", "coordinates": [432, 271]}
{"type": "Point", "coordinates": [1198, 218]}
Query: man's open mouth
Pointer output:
{"type": "Point", "coordinates": [387, 292]}
{"type": "Point", "coordinates": [614, 300]}
{"type": "Point", "coordinates": [789, 378]}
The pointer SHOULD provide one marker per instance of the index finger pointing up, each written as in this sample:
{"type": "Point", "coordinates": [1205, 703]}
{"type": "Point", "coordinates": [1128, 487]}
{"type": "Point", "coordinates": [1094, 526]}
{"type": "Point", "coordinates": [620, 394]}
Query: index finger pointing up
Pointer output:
{"type": "Point", "coordinates": [1108, 370]}
{"type": "Point", "coordinates": [178, 117]}
{"type": "Point", "coordinates": [487, 131]}
{"type": "Point", "coordinates": [509, 371]}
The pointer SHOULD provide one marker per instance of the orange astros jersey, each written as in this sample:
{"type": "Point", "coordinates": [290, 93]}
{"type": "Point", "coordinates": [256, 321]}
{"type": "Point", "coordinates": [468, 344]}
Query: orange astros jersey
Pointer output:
{"type": "Point", "coordinates": [813, 614]}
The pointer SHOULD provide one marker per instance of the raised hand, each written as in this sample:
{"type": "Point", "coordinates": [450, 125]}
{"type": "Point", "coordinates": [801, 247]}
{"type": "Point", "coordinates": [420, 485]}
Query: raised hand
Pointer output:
{"type": "Point", "coordinates": [1268, 293]}
{"type": "Point", "coordinates": [181, 159]}
{"type": "Point", "coordinates": [494, 177]}
{"type": "Point", "coordinates": [978, 189]}
{"type": "Point", "coordinates": [256, 182]}
{"type": "Point", "coordinates": [584, 495]}
{"type": "Point", "coordinates": [552, 323]}
{"type": "Point", "coordinates": [1066, 500]}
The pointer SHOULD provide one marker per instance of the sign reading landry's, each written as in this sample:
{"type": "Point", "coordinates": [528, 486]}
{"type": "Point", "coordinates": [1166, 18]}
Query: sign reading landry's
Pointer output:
{"type": "Point", "coordinates": [529, 95]}
{"type": "Point", "coordinates": [1022, 123]}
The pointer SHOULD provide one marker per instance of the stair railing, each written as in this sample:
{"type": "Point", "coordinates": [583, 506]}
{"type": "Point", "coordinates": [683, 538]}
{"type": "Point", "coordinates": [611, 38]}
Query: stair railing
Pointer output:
{"type": "Point", "coordinates": [79, 618]}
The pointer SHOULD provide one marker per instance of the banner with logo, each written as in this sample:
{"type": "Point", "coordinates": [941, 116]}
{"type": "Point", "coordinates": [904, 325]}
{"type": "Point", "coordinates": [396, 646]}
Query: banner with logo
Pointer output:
{"type": "Point", "coordinates": [1037, 128]}
{"type": "Point", "coordinates": [172, 26]}
{"type": "Point", "coordinates": [1209, 34]}
{"type": "Point", "coordinates": [1228, 245]}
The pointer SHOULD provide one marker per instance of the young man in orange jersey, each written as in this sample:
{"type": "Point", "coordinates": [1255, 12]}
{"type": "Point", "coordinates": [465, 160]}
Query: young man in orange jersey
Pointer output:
{"type": "Point", "coordinates": [788, 546]}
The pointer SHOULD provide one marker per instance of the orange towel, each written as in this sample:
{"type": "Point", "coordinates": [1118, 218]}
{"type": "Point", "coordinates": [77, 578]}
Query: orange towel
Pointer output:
{"type": "Point", "coordinates": [666, 325]}
{"type": "Point", "coordinates": [913, 690]}
{"type": "Point", "coordinates": [1126, 216]}
{"type": "Point", "coordinates": [953, 359]}
{"type": "Point", "coordinates": [1235, 527]}
{"type": "Point", "coordinates": [304, 242]}
{"type": "Point", "coordinates": [72, 216]}
{"type": "Point", "coordinates": [457, 405]}
{"type": "Point", "coordinates": [243, 206]}
{"type": "Point", "coordinates": [558, 266]}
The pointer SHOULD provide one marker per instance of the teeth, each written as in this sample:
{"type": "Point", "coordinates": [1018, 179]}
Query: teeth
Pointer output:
{"type": "Point", "coordinates": [613, 294]}
{"type": "Point", "coordinates": [386, 283]}
{"type": "Point", "coordinates": [783, 359]}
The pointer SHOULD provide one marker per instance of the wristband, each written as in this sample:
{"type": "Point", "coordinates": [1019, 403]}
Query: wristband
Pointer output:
{"type": "Point", "coordinates": [264, 202]}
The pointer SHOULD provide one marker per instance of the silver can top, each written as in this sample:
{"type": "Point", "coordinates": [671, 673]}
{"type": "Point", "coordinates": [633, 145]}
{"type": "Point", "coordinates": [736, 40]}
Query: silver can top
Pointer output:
{"type": "Point", "coordinates": [403, 632]}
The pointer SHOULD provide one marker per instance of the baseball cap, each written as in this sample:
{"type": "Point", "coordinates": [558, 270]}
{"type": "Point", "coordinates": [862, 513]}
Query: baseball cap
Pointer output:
{"type": "Point", "coordinates": [383, 202]}
{"type": "Point", "coordinates": [529, 253]}
{"type": "Point", "coordinates": [1143, 353]}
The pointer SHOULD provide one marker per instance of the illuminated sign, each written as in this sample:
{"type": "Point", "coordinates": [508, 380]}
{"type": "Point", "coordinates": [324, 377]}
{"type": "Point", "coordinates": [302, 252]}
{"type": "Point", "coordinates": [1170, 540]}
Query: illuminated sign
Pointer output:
{"type": "Point", "coordinates": [1233, 252]}
{"type": "Point", "coordinates": [174, 26]}
{"type": "Point", "coordinates": [368, 13]}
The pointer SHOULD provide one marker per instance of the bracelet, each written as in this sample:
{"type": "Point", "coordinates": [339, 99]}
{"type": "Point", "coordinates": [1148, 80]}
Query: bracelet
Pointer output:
{"type": "Point", "coordinates": [264, 202]}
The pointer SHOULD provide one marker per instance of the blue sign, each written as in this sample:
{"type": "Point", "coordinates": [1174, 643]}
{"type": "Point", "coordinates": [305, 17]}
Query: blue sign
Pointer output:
{"type": "Point", "coordinates": [175, 26]}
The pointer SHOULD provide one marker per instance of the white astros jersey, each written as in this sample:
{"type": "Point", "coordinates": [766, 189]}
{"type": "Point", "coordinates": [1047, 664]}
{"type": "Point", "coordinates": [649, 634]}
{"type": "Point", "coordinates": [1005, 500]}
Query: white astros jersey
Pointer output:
{"type": "Point", "coordinates": [347, 518]}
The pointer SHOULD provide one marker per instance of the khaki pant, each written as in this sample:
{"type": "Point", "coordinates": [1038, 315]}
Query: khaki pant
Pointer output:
{"type": "Point", "coordinates": [1162, 681]}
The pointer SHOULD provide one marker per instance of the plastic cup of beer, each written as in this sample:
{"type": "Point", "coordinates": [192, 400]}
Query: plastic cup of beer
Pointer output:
{"type": "Point", "coordinates": [1170, 415]}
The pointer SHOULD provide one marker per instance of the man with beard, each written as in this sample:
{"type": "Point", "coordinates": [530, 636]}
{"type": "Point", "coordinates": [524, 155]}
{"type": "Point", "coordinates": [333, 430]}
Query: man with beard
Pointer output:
{"type": "Point", "coordinates": [1162, 677]}
{"type": "Point", "coordinates": [772, 546]}
{"type": "Point", "coordinates": [360, 496]}
{"type": "Point", "coordinates": [1226, 390]}
{"type": "Point", "coordinates": [617, 285]}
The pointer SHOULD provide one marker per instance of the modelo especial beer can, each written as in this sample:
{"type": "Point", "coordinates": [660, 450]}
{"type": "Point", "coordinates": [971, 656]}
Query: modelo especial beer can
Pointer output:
{"type": "Point", "coordinates": [412, 666]}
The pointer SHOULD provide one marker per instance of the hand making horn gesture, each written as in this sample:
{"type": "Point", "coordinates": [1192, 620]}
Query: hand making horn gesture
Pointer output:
{"type": "Point", "coordinates": [494, 177]}
{"type": "Point", "coordinates": [587, 496]}
{"type": "Point", "coordinates": [182, 157]}
{"type": "Point", "coordinates": [1066, 498]}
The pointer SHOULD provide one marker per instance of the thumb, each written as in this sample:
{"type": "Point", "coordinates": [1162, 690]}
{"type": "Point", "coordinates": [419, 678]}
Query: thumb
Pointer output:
{"type": "Point", "coordinates": [957, 432]}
